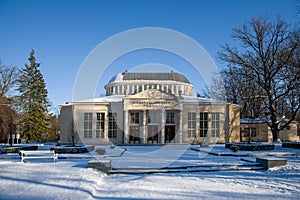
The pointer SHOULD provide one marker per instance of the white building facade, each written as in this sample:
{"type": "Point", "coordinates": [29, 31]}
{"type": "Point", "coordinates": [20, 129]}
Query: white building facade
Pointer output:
{"type": "Point", "coordinates": [149, 108]}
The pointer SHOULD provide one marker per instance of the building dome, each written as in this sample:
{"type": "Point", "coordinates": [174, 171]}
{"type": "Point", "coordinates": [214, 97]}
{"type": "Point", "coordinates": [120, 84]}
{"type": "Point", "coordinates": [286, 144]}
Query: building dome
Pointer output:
{"type": "Point", "coordinates": [134, 76]}
{"type": "Point", "coordinates": [128, 83]}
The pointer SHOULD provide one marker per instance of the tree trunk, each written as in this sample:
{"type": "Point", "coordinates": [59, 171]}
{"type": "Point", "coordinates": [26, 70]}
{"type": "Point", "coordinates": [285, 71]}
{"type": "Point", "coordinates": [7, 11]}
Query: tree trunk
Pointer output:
{"type": "Point", "coordinates": [275, 132]}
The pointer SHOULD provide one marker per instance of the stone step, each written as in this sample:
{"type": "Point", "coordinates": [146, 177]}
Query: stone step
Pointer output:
{"type": "Point", "coordinates": [187, 169]}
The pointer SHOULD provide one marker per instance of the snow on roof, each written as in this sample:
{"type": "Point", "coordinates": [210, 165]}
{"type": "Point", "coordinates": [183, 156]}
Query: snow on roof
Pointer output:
{"type": "Point", "coordinates": [119, 99]}
{"type": "Point", "coordinates": [256, 120]}
{"type": "Point", "coordinates": [260, 120]}
{"type": "Point", "coordinates": [105, 99]}
{"type": "Point", "coordinates": [194, 99]}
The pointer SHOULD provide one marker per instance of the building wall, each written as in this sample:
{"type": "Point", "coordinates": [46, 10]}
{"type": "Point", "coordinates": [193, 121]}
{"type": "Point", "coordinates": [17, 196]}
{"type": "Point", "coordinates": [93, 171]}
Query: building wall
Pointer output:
{"type": "Point", "coordinates": [234, 124]}
{"type": "Point", "coordinates": [118, 108]}
{"type": "Point", "coordinates": [227, 113]}
{"type": "Point", "coordinates": [229, 122]}
{"type": "Point", "coordinates": [289, 134]}
{"type": "Point", "coordinates": [264, 133]}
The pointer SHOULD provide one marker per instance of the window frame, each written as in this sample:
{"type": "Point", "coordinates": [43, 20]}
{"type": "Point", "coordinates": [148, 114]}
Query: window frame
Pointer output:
{"type": "Point", "coordinates": [170, 118]}
{"type": "Point", "coordinates": [192, 123]}
{"type": "Point", "coordinates": [215, 124]}
{"type": "Point", "coordinates": [112, 125]}
{"type": "Point", "coordinates": [88, 125]}
{"type": "Point", "coordinates": [100, 125]}
{"type": "Point", "coordinates": [203, 124]}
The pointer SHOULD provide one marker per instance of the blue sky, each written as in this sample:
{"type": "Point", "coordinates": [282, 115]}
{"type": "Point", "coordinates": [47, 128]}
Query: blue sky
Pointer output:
{"type": "Point", "coordinates": [63, 33]}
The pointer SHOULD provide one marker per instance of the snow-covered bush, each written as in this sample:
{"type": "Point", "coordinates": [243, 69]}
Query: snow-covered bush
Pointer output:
{"type": "Point", "coordinates": [101, 151]}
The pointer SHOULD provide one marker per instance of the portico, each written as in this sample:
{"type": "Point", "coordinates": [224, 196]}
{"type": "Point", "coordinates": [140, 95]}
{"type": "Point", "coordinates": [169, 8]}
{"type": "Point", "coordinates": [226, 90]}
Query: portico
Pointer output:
{"type": "Point", "coordinates": [153, 117]}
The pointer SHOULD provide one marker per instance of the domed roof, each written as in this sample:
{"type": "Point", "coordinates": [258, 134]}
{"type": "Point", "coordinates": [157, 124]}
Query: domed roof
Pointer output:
{"type": "Point", "coordinates": [155, 76]}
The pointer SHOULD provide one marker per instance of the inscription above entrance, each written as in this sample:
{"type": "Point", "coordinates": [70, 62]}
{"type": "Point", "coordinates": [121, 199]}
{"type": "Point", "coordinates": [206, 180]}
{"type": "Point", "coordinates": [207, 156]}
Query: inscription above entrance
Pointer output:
{"type": "Point", "coordinates": [147, 104]}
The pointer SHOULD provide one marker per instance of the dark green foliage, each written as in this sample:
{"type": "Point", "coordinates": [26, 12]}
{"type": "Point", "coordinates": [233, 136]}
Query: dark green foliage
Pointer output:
{"type": "Point", "coordinates": [32, 102]}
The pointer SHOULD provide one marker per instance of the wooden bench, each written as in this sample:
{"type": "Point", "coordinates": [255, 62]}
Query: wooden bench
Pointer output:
{"type": "Point", "coordinates": [25, 155]}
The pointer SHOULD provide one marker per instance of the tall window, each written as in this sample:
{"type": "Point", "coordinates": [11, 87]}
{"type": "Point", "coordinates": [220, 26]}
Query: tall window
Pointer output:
{"type": "Point", "coordinates": [140, 88]}
{"type": "Point", "coordinates": [215, 124]}
{"type": "Point", "coordinates": [191, 124]}
{"type": "Point", "coordinates": [134, 87]}
{"type": "Point", "coordinates": [203, 124]}
{"type": "Point", "coordinates": [152, 117]}
{"type": "Point", "coordinates": [170, 118]}
{"type": "Point", "coordinates": [112, 125]}
{"type": "Point", "coordinates": [134, 118]}
{"type": "Point", "coordinates": [130, 89]}
{"type": "Point", "coordinates": [125, 90]}
{"type": "Point", "coordinates": [165, 88]}
{"type": "Point", "coordinates": [253, 132]}
{"type": "Point", "coordinates": [100, 125]}
{"type": "Point", "coordinates": [88, 125]}
{"type": "Point", "coordinates": [246, 132]}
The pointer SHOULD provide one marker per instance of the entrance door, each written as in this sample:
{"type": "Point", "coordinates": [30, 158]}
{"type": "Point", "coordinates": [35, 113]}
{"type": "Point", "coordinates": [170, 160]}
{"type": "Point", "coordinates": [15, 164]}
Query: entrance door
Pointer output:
{"type": "Point", "coordinates": [152, 134]}
{"type": "Point", "coordinates": [134, 134]}
{"type": "Point", "coordinates": [169, 133]}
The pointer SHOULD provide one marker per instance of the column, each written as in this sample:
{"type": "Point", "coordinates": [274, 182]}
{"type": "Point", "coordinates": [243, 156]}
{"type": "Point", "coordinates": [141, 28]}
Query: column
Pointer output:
{"type": "Point", "coordinates": [143, 126]}
{"type": "Point", "coordinates": [113, 90]}
{"type": "Point", "coordinates": [125, 126]}
{"type": "Point", "coordinates": [162, 126]}
{"type": "Point", "coordinates": [197, 123]}
{"type": "Point", "coordinates": [179, 126]}
{"type": "Point", "coordinates": [106, 126]}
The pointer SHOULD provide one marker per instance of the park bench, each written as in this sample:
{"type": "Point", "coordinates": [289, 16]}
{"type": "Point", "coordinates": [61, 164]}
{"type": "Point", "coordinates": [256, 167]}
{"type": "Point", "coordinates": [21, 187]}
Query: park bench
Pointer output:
{"type": "Point", "coordinates": [45, 154]}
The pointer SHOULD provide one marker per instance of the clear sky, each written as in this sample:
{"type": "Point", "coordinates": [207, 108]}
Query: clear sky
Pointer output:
{"type": "Point", "coordinates": [64, 32]}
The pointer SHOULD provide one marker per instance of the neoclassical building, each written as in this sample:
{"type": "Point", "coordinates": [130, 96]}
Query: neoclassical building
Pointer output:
{"type": "Point", "coordinates": [149, 108]}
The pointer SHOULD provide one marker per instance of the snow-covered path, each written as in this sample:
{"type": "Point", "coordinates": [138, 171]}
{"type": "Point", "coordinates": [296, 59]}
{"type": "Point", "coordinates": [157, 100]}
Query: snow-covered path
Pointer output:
{"type": "Point", "coordinates": [71, 179]}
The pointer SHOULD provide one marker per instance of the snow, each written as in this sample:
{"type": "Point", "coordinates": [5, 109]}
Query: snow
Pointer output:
{"type": "Point", "coordinates": [69, 178]}
{"type": "Point", "coordinates": [194, 99]}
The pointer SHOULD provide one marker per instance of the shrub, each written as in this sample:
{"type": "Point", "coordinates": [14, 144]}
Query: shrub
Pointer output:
{"type": "Point", "coordinates": [234, 148]}
{"type": "Point", "coordinates": [101, 151]}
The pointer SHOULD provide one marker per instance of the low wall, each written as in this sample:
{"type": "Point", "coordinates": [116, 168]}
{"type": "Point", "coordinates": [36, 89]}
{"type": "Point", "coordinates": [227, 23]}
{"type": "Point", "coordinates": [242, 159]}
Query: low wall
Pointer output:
{"type": "Point", "coordinates": [249, 146]}
{"type": "Point", "coordinates": [73, 149]}
{"type": "Point", "coordinates": [295, 145]}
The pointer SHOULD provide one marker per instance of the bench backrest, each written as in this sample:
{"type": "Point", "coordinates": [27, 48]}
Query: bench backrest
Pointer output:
{"type": "Point", "coordinates": [37, 152]}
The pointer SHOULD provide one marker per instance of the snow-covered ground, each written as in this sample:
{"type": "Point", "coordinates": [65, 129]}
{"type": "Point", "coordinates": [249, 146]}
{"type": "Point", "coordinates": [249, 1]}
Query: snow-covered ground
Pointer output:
{"type": "Point", "coordinates": [70, 178]}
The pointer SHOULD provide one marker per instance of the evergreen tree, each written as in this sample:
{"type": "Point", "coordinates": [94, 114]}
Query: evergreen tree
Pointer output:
{"type": "Point", "coordinates": [33, 102]}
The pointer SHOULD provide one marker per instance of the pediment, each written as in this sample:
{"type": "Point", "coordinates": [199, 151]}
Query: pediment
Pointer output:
{"type": "Point", "coordinates": [152, 94]}
{"type": "Point", "coordinates": [152, 99]}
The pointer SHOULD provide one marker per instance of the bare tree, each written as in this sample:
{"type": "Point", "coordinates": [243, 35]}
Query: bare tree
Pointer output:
{"type": "Point", "coordinates": [8, 117]}
{"type": "Point", "coordinates": [8, 79]}
{"type": "Point", "coordinates": [268, 58]}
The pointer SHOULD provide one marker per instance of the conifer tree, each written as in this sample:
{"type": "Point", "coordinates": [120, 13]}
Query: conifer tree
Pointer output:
{"type": "Point", "coordinates": [33, 102]}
